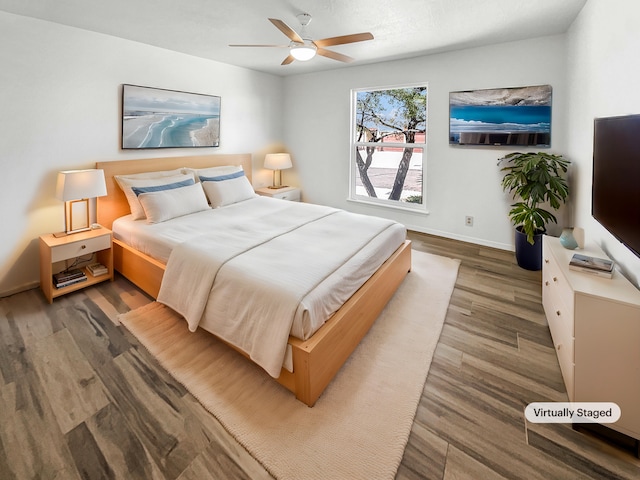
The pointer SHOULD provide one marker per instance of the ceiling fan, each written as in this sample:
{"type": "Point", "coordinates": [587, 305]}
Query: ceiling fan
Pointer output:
{"type": "Point", "coordinates": [303, 48]}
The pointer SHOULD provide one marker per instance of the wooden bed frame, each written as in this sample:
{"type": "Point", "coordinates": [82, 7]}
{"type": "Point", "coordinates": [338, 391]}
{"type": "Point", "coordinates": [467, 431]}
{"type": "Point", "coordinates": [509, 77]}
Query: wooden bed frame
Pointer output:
{"type": "Point", "coordinates": [315, 361]}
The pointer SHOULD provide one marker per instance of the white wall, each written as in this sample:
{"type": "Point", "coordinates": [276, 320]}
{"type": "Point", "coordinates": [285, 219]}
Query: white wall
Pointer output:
{"type": "Point", "coordinates": [60, 98]}
{"type": "Point", "coordinates": [603, 72]}
{"type": "Point", "coordinates": [60, 95]}
{"type": "Point", "coordinates": [460, 180]}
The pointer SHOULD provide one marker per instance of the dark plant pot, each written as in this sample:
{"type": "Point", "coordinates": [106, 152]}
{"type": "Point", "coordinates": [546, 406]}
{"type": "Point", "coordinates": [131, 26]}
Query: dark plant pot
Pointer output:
{"type": "Point", "coordinates": [528, 256]}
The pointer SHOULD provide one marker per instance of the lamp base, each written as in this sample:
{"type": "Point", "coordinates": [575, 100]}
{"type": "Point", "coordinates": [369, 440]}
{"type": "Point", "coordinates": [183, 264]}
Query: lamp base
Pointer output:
{"type": "Point", "coordinates": [277, 187]}
{"type": "Point", "coordinates": [71, 232]}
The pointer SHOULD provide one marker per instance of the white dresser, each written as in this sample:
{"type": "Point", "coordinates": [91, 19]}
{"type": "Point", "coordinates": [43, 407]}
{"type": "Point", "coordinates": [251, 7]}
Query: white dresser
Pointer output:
{"type": "Point", "coordinates": [595, 325]}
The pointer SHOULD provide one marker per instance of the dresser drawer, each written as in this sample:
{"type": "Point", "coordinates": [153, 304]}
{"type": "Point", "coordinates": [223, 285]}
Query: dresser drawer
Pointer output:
{"type": "Point", "coordinates": [553, 281]}
{"type": "Point", "coordinates": [559, 314]}
{"type": "Point", "coordinates": [558, 303]}
{"type": "Point", "coordinates": [80, 247]}
{"type": "Point", "coordinates": [565, 351]}
{"type": "Point", "coordinates": [561, 328]}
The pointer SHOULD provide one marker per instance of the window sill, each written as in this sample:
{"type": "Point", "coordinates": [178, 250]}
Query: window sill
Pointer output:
{"type": "Point", "coordinates": [421, 210]}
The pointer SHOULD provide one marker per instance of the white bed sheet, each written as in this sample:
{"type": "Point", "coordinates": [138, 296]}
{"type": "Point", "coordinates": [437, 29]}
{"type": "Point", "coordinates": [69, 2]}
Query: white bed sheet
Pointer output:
{"type": "Point", "coordinates": [157, 241]}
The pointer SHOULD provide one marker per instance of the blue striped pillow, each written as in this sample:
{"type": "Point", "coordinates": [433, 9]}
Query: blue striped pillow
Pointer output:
{"type": "Point", "coordinates": [159, 188]}
{"type": "Point", "coordinates": [221, 178]}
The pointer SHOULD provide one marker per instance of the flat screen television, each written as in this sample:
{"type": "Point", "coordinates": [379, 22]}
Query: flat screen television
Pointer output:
{"type": "Point", "coordinates": [615, 198]}
{"type": "Point", "coordinates": [517, 116]}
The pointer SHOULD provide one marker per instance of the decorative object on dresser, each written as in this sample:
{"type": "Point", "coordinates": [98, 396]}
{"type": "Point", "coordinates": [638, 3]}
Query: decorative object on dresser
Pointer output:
{"type": "Point", "coordinates": [568, 240]}
{"type": "Point", "coordinates": [285, 193]}
{"type": "Point", "coordinates": [92, 246]}
{"type": "Point", "coordinates": [595, 325]}
{"type": "Point", "coordinates": [75, 188]}
{"type": "Point", "coordinates": [578, 234]}
{"type": "Point", "coordinates": [534, 179]}
{"type": "Point", "coordinates": [277, 162]}
{"type": "Point", "coordinates": [602, 267]}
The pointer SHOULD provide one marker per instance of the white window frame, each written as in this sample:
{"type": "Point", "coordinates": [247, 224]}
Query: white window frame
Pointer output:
{"type": "Point", "coordinates": [353, 168]}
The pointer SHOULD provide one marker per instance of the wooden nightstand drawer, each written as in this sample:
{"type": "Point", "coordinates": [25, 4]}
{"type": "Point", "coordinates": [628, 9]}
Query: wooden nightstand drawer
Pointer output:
{"type": "Point", "coordinates": [79, 248]}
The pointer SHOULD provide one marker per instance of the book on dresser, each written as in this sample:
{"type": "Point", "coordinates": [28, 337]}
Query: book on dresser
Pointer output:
{"type": "Point", "coordinates": [602, 267]}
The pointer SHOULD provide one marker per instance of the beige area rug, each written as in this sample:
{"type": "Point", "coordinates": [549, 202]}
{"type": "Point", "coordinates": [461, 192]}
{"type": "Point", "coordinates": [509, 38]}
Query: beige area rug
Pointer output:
{"type": "Point", "coordinates": [359, 427]}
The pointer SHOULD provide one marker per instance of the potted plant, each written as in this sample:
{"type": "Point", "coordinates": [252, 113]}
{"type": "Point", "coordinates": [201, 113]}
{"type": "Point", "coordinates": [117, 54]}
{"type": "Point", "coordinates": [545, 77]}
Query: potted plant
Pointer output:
{"type": "Point", "coordinates": [534, 179]}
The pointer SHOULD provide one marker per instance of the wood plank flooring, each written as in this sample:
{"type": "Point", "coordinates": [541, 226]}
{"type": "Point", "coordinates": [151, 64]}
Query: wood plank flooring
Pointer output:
{"type": "Point", "coordinates": [79, 397]}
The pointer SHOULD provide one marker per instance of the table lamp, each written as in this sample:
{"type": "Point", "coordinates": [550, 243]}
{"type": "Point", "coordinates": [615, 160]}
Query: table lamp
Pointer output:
{"type": "Point", "coordinates": [76, 187]}
{"type": "Point", "coordinates": [277, 162]}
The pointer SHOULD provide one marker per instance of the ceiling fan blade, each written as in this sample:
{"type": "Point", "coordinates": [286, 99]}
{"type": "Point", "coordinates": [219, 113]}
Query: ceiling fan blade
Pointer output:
{"type": "Point", "coordinates": [275, 46]}
{"type": "Point", "coordinates": [288, 31]}
{"type": "Point", "coordinates": [288, 60]}
{"type": "Point", "coordinates": [355, 37]}
{"type": "Point", "coordinates": [334, 55]}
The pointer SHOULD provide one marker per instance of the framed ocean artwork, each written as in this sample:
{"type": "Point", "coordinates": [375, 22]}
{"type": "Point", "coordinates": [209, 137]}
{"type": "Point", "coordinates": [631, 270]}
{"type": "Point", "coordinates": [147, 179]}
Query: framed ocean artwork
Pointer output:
{"type": "Point", "coordinates": [158, 118]}
{"type": "Point", "coordinates": [518, 116]}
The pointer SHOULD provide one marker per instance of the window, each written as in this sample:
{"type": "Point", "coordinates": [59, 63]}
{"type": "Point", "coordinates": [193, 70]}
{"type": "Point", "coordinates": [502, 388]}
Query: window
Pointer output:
{"type": "Point", "coordinates": [388, 146]}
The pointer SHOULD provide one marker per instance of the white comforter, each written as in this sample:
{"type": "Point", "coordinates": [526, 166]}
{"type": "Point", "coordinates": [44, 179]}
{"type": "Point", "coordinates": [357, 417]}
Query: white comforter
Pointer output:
{"type": "Point", "coordinates": [249, 280]}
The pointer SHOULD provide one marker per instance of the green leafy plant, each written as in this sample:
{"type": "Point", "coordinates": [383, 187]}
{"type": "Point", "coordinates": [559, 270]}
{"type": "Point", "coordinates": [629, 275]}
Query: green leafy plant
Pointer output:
{"type": "Point", "coordinates": [534, 178]}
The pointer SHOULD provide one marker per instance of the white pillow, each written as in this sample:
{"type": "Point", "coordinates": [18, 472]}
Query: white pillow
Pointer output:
{"type": "Point", "coordinates": [164, 205]}
{"type": "Point", "coordinates": [126, 182]}
{"type": "Point", "coordinates": [226, 192]}
{"type": "Point", "coordinates": [212, 171]}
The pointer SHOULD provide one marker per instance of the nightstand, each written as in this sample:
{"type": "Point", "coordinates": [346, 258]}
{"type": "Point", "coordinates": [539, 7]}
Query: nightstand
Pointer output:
{"type": "Point", "coordinates": [286, 193]}
{"type": "Point", "coordinates": [55, 253]}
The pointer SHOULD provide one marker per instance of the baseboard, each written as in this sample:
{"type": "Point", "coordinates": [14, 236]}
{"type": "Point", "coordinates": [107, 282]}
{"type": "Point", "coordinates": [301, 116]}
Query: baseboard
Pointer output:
{"type": "Point", "coordinates": [462, 238]}
{"type": "Point", "coordinates": [20, 289]}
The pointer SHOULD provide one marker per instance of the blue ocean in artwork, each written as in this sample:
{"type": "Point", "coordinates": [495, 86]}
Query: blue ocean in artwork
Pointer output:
{"type": "Point", "coordinates": [156, 118]}
{"type": "Point", "coordinates": [165, 130]}
{"type": "Point", "coordinates": [498, 119]}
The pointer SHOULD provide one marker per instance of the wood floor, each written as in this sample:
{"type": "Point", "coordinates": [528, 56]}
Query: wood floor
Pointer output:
{"type": "Point", "coordinates": [79, 398]}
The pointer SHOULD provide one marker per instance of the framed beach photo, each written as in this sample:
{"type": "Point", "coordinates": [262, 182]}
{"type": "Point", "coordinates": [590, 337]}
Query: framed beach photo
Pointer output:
{"type": "Point", "coordinates": [518, 116]}
{"type": "Point", "coordinates": [158, 118]}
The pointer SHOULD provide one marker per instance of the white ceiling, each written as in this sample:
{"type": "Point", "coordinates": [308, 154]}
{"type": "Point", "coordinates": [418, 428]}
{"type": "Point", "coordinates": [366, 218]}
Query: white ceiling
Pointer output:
{"type": "Point", "coordinates": [402, 28]}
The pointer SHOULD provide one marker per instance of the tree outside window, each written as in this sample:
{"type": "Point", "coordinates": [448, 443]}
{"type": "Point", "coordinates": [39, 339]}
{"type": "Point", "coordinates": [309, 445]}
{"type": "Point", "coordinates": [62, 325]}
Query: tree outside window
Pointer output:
{"type": "Point", "coordinates": [388, 146]}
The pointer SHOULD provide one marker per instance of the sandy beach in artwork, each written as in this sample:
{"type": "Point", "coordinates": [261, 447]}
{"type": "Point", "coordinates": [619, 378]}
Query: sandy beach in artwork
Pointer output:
{"type": "Point", "coordinates": [207, 136]}
{"type": "Point", "coordinates": [136, 128]}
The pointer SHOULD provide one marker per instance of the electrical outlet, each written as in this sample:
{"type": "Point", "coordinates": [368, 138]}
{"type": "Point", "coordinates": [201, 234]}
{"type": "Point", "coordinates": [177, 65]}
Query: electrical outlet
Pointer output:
{"type": "Point", "coordinates": [468, 221]}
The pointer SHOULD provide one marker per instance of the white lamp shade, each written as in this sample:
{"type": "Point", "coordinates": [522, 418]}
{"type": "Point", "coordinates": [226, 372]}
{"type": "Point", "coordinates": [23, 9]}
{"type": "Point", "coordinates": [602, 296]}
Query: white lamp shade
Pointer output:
{"type": "Point", "coordinates": [79, 184]}
{"type": "Point", "coordinates": [303, 52]}
{"type": "Point", "coordinates": [277, 161]}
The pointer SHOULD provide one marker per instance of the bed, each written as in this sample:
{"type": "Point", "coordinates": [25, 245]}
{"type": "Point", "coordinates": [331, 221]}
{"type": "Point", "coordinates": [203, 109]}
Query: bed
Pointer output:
{"type": "Point", "coordinates": [313, 361]}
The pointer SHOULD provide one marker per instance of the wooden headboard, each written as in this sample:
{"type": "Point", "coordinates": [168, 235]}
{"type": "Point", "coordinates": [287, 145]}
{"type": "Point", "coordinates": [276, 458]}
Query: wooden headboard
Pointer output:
{"type": "Point", "coordinates": [115, 204]}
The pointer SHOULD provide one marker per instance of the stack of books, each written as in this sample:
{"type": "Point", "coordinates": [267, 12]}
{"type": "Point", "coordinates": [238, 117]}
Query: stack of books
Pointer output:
{"type": "Point", "coordinates": [602, 267]}
{"type": "Point", "coordinates": [96, 269]}
{"type": "Point", "coordinates": [64, 279]}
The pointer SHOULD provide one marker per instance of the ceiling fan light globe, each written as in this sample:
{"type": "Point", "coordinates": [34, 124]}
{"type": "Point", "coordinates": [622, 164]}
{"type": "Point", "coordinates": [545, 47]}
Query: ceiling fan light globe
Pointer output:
{"type": "Point", "coordinates": [303, 52]}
